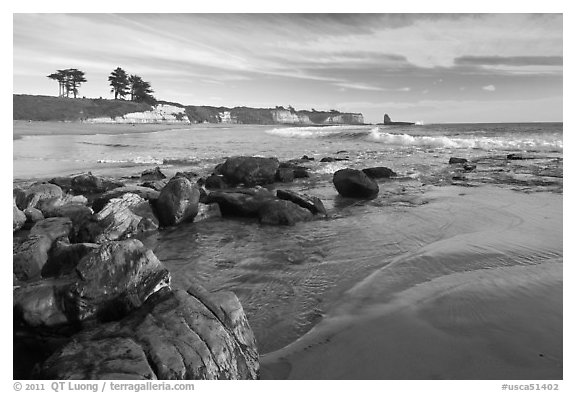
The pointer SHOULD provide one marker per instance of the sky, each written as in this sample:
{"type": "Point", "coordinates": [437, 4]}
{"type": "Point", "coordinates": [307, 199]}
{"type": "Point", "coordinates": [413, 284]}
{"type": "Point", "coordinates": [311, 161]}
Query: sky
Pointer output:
{"type": "Point", "coordinates": [415, 67]}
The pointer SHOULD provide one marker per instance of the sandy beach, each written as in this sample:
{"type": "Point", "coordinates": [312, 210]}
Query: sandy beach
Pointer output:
{"type": "Point", "coordinates": [484, 322]}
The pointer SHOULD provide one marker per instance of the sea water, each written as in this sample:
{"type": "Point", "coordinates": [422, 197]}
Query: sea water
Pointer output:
{"type": "Point", "coordinates": [290, 278]}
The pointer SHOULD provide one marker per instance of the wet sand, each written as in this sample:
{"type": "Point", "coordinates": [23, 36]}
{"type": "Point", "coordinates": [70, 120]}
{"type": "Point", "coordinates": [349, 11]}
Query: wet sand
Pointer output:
{"type": "Point", "coordinates": [485, 303]}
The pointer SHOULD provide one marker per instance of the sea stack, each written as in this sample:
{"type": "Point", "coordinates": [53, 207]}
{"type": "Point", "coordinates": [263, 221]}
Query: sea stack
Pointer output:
{"type": "Point", "coordinates": [389, 122]}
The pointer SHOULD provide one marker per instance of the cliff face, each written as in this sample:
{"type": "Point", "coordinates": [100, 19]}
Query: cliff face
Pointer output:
{"type": "Point", "coordinates": [44, 108]}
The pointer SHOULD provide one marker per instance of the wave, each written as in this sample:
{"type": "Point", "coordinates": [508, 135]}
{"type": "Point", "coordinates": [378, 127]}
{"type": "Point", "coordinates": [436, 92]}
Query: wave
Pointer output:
{"type": "Point", "coordinates": [105, 144]}
{"type": "Point", "coordinates": [313, 131]}
{"type": "Point", "coordinates": [135, 161]}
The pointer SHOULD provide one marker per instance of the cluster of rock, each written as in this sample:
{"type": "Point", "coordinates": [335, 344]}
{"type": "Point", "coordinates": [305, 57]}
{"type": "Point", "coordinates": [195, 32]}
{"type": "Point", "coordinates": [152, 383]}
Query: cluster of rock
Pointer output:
{"type": "Point", "coordinates": [93, 302]}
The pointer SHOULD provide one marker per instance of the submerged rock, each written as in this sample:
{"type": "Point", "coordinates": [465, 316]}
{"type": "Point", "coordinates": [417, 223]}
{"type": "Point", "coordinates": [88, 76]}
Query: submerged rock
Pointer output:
{"type": "Point", "coordinates": [281, 212]}
{"type": "Point", "coordinates": [177, 202]}
{"type": "Point", "coordinates": [380, 172]}
{"type": "Point", "coordinates": [106, 284]}
{"type": "Point", "coordinates": [306, 201]}
{"type": "Point", "coordinates": [250, 171]}
{"type": "Point", "coordinates": [353, 183]}
{"type": "Point", "coordinates": [456, 160]}
{"type": "Point", "coordinates": [237, 203]}
{"type": "Point", "coordinates": [176, 335]}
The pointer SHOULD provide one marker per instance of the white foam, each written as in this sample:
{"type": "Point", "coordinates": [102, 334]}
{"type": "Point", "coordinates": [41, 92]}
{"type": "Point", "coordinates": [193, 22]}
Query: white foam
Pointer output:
{"type": "Point", "coordinates": [306, 132]}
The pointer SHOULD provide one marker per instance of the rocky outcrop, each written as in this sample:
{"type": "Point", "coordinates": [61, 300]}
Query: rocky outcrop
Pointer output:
{"type": "Point", "coordinates": [250, 171]}
{"type": "Point", "coordinates": [175, 335]}
{"type": "Point", "coordinates": [309, 202]}
{"type": "Point", "coordinates": [281, 212]}
{"type": "Point", "coordinates": [389, 122]}
{"type": "Point", "coordinates": [177, 202]}
{"type": "Point", "coordinates": [107, 283]}
{"type": "Point", "coordinates": [379, 172]}
{"type": "Point", "coordinates": [353, 183]}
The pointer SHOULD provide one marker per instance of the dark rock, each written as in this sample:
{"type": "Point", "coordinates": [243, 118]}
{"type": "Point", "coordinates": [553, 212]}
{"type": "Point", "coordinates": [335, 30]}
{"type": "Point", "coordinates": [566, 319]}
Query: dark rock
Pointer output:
{"type": "Point", "coordinates": [215, 182]}
{"type": "Point", "coordinates": [116, 221]}
{"type": "Point", "coordinates": [333, 159]}
{"type": "Point", "coordinates": [285, 175]}
{"type": "Point", "coordinates": [64, 257]}
{"type": "Point", "coordinates": [309, 202]}
{"type": "Point", "coordinates": [177, 202]}
{"type": "Point", "coordinates": [90, 184]}
{"type": "Point", "coordinates": [380, 172]}
{"type": "Point", "coordinates": [241, 204]}
{"type": "Point", "coordinates": [468, 167]}
{"type": "Point", "coordinates": [38, 193]}
{"type": "Point", "coordinates": [297, 170]}
{"type": "Point", "coordinates": [207, 211]}
{"type": "Point", "coordinates": [65, 183]}
{"type": "Point", "coordinates": [33, 215]}
{"type": "Point", "coordinates": [389, 122]}
{"type": "Point", "coordinates": [353, 183]}
{"type": "Point", "coordinates": [80, 215]}
{"type": "Point", "coordinates": [306, 158]}
{"type": "Point", "coordinates": [143, 192]}
{"type": "Point", "coordinates": [301, 172]}
{"type": "Point", "coordinates": [175, 335]}
{"type": "Point", "coordinates": [188, 175]}
{"type": "Point", "coordinates": [514, 156]}
{"type": "Point", "coordinates": [280, 212]}
{"type": "Point", "coordinates": [157, 185]}
{"type": "Point", "coordinates": [456, 160]}
{"type": "Point", "coordinates": [30, 257]}
{"type": "Point", "coordinates": [53, 228]}
{"type": "Point", "coordinates": [18, 218]}
{"type": "Point", "coordinates": [250, 171]}
{"type": "Point", "coordinates": [152, 174]}
{"type": "Point", "coordinates": [107, 283]}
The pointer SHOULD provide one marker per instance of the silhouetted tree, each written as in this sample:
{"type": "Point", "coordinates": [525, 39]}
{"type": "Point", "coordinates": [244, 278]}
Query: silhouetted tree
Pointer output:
{"type": "Point", "coordinates": [140, 90]}
{"type": "Point", "coordinates": [69, 80]}
{"type": "Point", "coordinates": [119, 81]}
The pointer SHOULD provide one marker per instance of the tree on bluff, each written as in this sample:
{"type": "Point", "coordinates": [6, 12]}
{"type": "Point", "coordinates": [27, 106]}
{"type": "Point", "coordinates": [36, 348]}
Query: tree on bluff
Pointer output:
{"type": "Point", "coordinates": [140, 90]}
{"type": "Point", "coordinates": [69, 80]}
{"type": "Point", "coordinates": [119, 82]}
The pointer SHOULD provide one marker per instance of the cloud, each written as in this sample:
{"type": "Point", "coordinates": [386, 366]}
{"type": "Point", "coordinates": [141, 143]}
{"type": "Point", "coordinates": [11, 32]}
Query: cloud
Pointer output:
{"type": "Point", "coordinates": [362, 86]}
{"type": "Point", "coordinates": [489, 88]}
{"type": "Point", "coordinates": [519, 61]}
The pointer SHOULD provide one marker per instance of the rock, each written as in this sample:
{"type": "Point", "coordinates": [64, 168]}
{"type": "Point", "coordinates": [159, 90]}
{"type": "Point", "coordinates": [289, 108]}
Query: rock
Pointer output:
{"type": "Point", "coordinates": [190, 175]}
{"type": "Point", "coordinates": [353, 183]}
{"type": "Point", "coordinates": [332, 159]}
{"type": "Point", "coordinates": [240, 204]}
{"type": "Point", "coordinates": [157, 185]}
{"type": "Point", "coordinates": [18, 218]}
{"type": "Point", "coordinates": [308, 202]}
{"type": "Point", "coordinates": [30, 257]}
{"type": "Point", "coordinates": [89, 184]}
{"type": "Point", "coordinates": [297, 170]}
{"type": "Point", "coordinates": [175, 335]}
{"type": "Point", "coordinates": [64, 257]}
{"type": "Point", "coordinates": [80, 216]}
{"type": "Point", "coordinates": [279, 212]}
{"type": "Point", "coordinates": [33, 215]}
{"type": "Point", "coordinates": [301, 172]}
{"type": "Point", "coordinates": [285, 175]}
{"type": "Point", "coordinates": [380, 172]}
{"type": "Point", "coordinates": [37, 193]}
{"type": "Point", "coordinates": [306, 158]}
{"type": "Point", "coordinates": [177, 202]}
{"type": "Point", "coordinates": [107, 284]}
{"type": "Point", "coordinates": [53, 228]}
{"type": "Point", "coordinates": [514, 156]}
{"type": "Point", "coordinates": [143, 192]}
{"type": "Point", "coordinates": [152, 174]}
{"type": "Point", "coordinates": [456, 160]}
{"type": "Point", "coordinates": [215, 182]}
{"type": "Point", "coordinates": [468, 167]}
{"type": "Point", "coordinates": [207, 211]}
{"type": "Point", "coordinates": [65, 183]}
{"type": "Point", "coordinates": [250, 171]}
{"type": "Point", "coordinates": [116, 221]}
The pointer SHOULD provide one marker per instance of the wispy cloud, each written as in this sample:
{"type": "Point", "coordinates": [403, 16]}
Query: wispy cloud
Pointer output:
{"type": "Point", "coordinates": [489, 88]}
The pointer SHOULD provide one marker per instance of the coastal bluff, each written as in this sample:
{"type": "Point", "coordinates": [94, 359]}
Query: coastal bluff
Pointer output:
{"type": "Point", "coordinates": [104, 111]}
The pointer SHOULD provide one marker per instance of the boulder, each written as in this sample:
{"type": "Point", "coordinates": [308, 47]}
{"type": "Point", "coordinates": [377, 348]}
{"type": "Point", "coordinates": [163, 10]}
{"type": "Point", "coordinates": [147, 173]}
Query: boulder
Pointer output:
{"type": "Point", "coordinates": [240, 203]}
{"type": "Point", "coordinates": [380, 172]}
{"type": "Point", "coordinates": [89, 184]}
{"type": "Point", "coordinates": [64, 257]}
{"type": "Point", "coordinates": [157, 185]}
{"type": "Point", "coordinates": [353, 183]}
{"type": "Point", "coordinates": [250, 171]}
{"type": "Point", "coordinates": [285, 175]}
{"type": "Point", "coordinates": [207, 211]}
{"type": "Point", "coordinates": [333, 159]}
{"type": "Point", "coordinates": [33, 215]}
{"type": "Point", "coordinates": [53, 228]}
{"type": "Point", "coordinates": [64, 182]}
{"type": "Point", "coordinates": [190, 175]}
{"type": "Point", "coordinates": [116, 221]}
{"type": "Point", "coordinates": [215, 182]}
{"type": "Point", "coordinates": [175, 335]}
{"type": "Point", "coordinates": [177, 202]}
{"type": "Point", "coordinates": [18, 218]}
{"type": "Point", "coordinates": [152, 174]}
{"type": "Point", "coordinates": [297, 170]}
{"type": "Point", "coordinates": [143, 192]}
{"type": "Point", "coordinates": [106, 284]}
{"type": "Point", "coordinates": [456, 160]}
{"type": "Point", "coordinates": [37, 193]}
{"type": "Point", "coordinates": [30, 257]}
{"type": "Point", "coordinates": [279, 212]}
{"type": "Point", "coordinates": [514, 156]}
{"type": "Point", "coordinates": [80, 216]}
{"type": "Point", "coordinates": [468, 167]}
{"type": "Point", "coordinates": [306, 201]}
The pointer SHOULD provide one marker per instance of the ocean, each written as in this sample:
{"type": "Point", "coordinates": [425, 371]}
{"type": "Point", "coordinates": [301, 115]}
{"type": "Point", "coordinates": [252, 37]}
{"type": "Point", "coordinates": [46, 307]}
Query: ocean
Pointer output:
{"type": "Point", "coordinates": [448, 245]}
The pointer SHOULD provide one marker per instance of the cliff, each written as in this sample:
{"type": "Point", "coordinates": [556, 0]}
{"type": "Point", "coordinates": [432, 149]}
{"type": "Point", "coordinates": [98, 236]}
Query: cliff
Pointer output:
{"type": "Point", "coordinates": [44, 108]}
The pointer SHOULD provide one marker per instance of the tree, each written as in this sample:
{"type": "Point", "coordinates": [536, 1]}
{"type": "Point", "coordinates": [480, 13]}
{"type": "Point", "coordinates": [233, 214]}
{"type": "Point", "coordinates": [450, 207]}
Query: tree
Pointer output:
{"type": "Point", "coordinates": [119, 81]}
{"type": "Point", "coordinates": [140, 90]}
{"type": "Point", "coordinates": [69, 80]}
